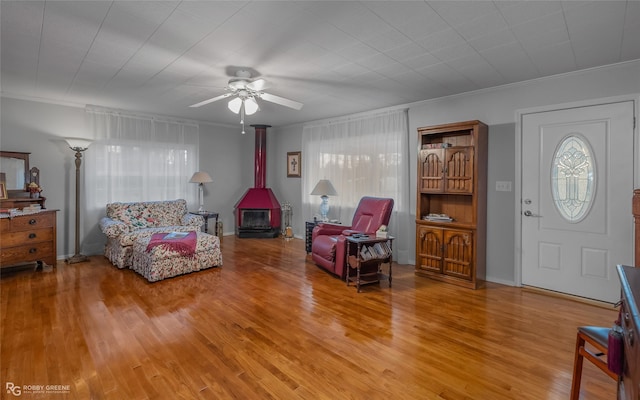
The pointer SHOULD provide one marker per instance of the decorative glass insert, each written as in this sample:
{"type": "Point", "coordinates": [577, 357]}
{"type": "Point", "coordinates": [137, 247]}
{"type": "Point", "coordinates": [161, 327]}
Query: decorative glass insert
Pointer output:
{"type": "Point", "coordinates": [573, 178]}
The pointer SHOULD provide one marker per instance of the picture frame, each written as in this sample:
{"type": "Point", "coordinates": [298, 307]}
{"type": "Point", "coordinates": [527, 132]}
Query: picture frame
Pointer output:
{"type": "Point", "coordinates": [294, 164]}
{"type": "Point", "coordinates": [3, 191]}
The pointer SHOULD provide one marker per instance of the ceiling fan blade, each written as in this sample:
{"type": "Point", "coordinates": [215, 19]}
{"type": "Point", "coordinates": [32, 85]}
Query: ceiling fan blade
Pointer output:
{"type": "Point", "coordinates": [202, 103]}
{"type": "Point", "coordinates": [281, 100]}
{"type": "Point", "coordinates": [257, 85]}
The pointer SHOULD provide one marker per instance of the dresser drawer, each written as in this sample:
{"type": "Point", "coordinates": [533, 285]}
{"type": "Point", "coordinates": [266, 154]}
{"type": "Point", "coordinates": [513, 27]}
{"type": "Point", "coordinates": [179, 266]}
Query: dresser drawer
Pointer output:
{"type": "Point", "coordinates": [27, 253]}
{"type": "Point", "coordinates": [25, 238]}
{"type": "Point", "coordinates": [28, 222]}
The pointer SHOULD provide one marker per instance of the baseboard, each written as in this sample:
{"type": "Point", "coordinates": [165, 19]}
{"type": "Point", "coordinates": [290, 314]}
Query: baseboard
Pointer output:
{"type": "Point", "coordinates": [500, 281]}
{"type": "Point", "coordinates": [584, 300]}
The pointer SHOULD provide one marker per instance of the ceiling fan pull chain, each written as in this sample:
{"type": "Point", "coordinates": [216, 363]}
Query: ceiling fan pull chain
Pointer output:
{"type": "Point", "coordinates": [242, 117]}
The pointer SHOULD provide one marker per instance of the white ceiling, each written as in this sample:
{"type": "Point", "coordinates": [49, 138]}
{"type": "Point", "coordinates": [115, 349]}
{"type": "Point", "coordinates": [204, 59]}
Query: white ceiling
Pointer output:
{"type": "Point", "coordinates": [337, 57]}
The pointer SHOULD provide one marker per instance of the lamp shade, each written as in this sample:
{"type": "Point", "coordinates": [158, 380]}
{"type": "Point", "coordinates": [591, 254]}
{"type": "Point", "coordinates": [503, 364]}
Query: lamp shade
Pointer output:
{"type": "Point", "coordinates": [235, 105]}
{"type": "Point", "coordinates": [324, 188]}
{"type": "Point", "coordinates": [200, 177]}
{"type": "Point", "coordinates": [78, 144]}
{"type": "Point", "coordinates": [250, 106]}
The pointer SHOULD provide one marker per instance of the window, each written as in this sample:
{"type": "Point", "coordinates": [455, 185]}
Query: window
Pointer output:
{"type": "Point", "coordinates": [572, 178]}
{"type": "Point", "coordinates": [138, 158]}
{"type": "Point", "coordinates": [361, 156]}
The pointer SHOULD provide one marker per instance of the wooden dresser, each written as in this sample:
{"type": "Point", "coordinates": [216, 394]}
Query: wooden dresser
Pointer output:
{"type": "Point", "coordinates": [629, 383]}
{"type": "Point", "coordinates": [28, 238]}
{"type": "Point", "coordinates": [21, 202]}
{"type": "Point", "coordinates": [636, 216]}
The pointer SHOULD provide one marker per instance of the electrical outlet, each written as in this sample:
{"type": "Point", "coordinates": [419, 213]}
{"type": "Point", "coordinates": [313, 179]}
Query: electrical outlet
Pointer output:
{"type": "Point", "coordinates": [503, 186]}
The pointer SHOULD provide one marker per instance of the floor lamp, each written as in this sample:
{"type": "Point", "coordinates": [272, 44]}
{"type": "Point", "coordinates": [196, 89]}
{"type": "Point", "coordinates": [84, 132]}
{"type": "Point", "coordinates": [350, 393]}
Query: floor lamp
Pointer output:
{"type": "Point", "coordinates": [78, 145]}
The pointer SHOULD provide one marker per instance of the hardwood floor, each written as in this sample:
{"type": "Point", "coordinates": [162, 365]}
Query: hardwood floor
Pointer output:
{"type": "Point", "coordinates": [270, 324]}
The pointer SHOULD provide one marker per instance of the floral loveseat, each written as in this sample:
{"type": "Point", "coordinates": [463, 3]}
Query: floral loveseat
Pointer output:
{"type": "Point", "coordinates": [126, 222]}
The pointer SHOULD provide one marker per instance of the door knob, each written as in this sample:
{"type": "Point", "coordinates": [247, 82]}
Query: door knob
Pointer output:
{"type": "Point", "coordinates": [528, 213]}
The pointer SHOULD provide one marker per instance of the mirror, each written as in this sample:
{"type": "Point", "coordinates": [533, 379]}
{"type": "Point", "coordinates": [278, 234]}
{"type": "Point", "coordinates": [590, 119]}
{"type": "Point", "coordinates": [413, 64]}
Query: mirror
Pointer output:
{"type": "Point", "coordinates": [15, 166]}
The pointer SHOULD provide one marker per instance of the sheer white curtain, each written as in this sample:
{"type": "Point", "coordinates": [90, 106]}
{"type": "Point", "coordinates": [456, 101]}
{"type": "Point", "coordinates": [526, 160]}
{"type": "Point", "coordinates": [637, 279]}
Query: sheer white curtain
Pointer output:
{"type": "Point", "coordinates": [361, 156]}
{"type": "Point", "coordinates": [137, 158]}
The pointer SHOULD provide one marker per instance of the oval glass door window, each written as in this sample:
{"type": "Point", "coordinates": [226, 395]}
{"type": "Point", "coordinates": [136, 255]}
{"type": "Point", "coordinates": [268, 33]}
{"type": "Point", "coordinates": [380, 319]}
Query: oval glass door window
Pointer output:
{"type": "Point", "coordinates": [573, 178]}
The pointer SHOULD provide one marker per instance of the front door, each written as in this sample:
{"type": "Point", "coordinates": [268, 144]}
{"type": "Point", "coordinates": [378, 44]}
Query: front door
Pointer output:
{"type": "Point", "coordinates": [577, 183]}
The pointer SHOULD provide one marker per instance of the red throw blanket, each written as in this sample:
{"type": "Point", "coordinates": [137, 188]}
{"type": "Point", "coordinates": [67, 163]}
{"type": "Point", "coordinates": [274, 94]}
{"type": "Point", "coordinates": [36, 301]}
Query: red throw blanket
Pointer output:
{"type": "Point", "coordinates": [185, 246]}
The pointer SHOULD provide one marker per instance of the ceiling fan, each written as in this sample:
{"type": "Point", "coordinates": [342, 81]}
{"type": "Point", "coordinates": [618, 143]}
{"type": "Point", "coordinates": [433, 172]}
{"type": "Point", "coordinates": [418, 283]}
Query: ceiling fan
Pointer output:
{"type": "Point", "coordinates": [245, 92]}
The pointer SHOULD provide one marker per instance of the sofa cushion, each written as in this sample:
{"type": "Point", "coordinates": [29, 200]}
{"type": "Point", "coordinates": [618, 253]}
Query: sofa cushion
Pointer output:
{"type": "Point", "coordinates": [167, 213]}
{"type": "Point", "coordinates": [135, 215]}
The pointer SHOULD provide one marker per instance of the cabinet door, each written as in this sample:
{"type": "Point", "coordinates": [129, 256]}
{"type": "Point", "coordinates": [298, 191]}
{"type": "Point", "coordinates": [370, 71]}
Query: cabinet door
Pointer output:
{"type": "Point", "coordinates": [431, 170]}
{"type": "Point", "coordinates": [429, 248]}
{"type": "Point", "coordinates": [458, 251]}
{"type": "Point", "coordinates": [459, 170]}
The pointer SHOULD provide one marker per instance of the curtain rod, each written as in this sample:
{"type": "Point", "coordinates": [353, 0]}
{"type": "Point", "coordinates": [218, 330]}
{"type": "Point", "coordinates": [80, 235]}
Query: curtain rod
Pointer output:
{"type": "Point", "coordinates": [124, 113]}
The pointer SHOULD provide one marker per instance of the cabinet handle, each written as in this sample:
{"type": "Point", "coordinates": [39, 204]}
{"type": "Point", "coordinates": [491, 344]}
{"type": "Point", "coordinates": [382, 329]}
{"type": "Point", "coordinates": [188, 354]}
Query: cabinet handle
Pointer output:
{"type": "Point", "coordinates": [32, 250]}
{"type": "Point", "coordinates": [631, 338]}
{"type": "Point", "coordinates": [32, 222]}
{"type": "Point", "coordinates": [32, 236]}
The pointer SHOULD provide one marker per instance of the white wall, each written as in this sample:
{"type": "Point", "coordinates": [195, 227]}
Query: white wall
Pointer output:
{"type": "Point", "coordinates": [282, 141]}
{"type": "Point", "coordinates": [227, 155]}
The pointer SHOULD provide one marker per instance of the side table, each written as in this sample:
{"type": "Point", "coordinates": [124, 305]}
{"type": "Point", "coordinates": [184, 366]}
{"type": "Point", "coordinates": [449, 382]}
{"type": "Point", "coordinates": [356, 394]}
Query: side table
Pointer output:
{"type": "Point", "coordinates": [206, 215]}
{"type": "Point", "coordinates": [309, 225]}
{"type": "Point", "coordinates": [365, 255]}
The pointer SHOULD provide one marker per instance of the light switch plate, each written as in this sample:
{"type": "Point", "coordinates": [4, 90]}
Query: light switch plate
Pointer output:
{"type": "Point", "coordinates": [503, 186]}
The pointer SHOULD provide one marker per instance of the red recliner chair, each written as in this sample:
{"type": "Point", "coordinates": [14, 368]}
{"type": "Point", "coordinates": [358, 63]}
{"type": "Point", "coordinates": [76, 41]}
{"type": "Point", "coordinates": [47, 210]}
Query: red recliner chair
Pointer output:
{"type": "Point", "coordinates": [328, 241]}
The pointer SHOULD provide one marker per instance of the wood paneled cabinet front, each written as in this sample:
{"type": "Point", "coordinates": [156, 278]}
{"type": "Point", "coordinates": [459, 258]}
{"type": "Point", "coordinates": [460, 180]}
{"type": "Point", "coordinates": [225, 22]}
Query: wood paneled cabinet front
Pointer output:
{"type": "Point", "coordinates": [446, 251]}
{"type": "Point", "coordinates": [28, 238]}
{"type": "Point", "coordinates": [451, 202]}
{"type": "Point", "coordinates": [447, 170]}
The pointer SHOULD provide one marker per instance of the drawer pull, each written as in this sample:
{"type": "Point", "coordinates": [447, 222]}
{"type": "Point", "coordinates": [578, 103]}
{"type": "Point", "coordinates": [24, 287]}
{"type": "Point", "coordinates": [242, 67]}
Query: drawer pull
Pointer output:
{"type": "Point", "coordinates": [627, 319]}
{"type": "Point", "coordinates": [32, 250]}
{"type": "Point", "coordinates": [32, 236]}
{"type": "Point", "coordinates": [32, 221]}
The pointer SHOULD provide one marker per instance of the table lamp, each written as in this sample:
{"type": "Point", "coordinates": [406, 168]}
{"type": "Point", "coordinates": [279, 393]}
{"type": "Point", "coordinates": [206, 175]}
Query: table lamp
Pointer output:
{"type": "Point", "coordinates": [201, 178]}
{"type": "Point", "coordinates": [324, 189]}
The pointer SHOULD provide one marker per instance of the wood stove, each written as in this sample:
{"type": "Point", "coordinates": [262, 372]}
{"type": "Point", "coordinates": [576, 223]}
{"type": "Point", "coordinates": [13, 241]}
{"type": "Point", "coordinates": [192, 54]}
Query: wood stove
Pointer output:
{"type": "Point", "coordinates": [258, 211]}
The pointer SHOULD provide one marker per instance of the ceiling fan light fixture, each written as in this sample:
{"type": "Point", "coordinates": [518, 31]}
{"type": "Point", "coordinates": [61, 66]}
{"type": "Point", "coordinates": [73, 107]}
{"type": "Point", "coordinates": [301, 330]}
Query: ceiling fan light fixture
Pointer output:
{"type": "Point", "coordinates": [250, 106]}
{"type": "Point", "coordinates": [235, 105]}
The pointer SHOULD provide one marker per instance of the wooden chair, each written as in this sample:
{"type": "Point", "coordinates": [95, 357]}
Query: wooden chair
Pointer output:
{"type": "Point", "coordinates": [598, 338]}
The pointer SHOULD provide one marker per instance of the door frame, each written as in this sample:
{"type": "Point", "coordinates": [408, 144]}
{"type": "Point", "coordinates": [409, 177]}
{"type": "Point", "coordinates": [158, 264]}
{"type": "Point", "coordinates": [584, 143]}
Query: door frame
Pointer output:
{"type": "Point", "coordinates": [519, 114]}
